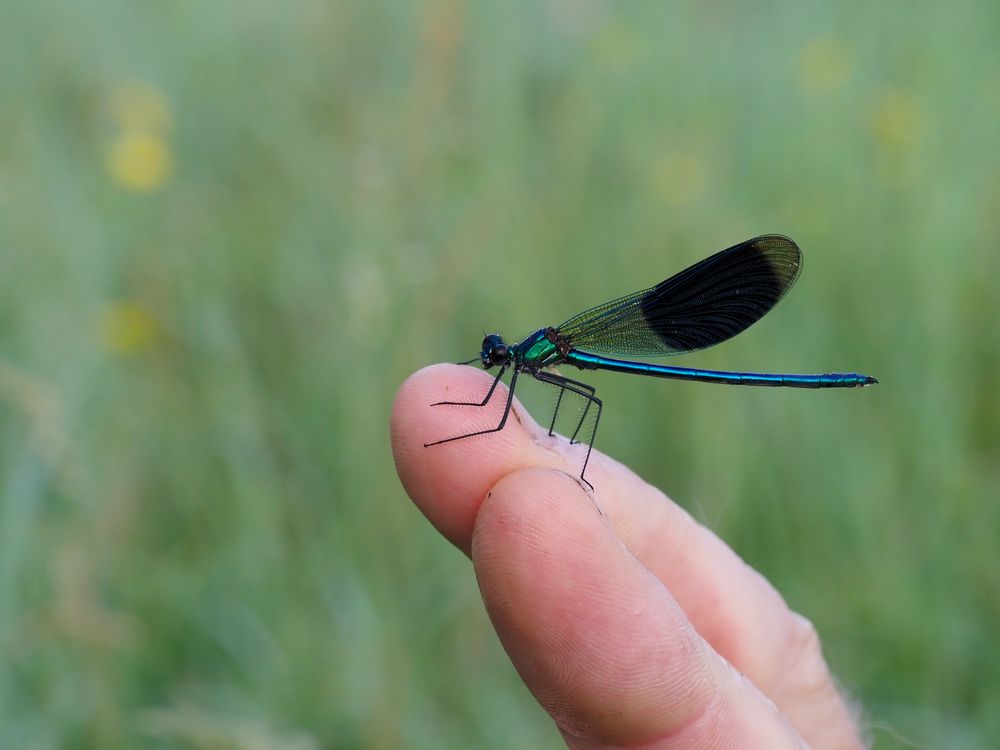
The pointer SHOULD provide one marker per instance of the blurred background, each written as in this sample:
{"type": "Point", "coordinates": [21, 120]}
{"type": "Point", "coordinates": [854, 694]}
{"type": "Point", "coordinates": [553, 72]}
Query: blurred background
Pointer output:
{"type": "Point", "coordinates": [229, 230]}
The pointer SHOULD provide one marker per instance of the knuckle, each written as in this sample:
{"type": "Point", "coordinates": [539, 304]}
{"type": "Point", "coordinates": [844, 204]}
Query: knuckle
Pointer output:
{"type": "Point", "coordinates": [807, 669]}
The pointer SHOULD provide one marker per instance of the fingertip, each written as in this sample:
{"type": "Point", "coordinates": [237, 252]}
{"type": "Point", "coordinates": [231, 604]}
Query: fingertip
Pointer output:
{"type": "Point", "coordinates": [596, 637]}
{"type": "Point", "coordinates": [448, 481]}
{"type": "Point", "coordinates": [418, 392]}
{"type": "Point", "coordinates": [530, 517]}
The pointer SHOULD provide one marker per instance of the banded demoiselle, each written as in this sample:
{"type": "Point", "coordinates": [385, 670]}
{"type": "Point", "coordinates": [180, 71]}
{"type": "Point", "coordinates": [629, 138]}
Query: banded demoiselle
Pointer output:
{"type": "Point", "coordinates": [701, 306]}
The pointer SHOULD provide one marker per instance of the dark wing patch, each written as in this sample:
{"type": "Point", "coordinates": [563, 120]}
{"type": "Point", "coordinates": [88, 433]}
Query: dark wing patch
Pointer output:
{"type": "Point", "coordinates": [701, 306]}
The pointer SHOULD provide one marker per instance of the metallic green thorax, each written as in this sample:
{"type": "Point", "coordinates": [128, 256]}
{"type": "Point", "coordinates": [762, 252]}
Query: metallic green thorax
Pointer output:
{"type": "Point", "coordinates": [538, 350]}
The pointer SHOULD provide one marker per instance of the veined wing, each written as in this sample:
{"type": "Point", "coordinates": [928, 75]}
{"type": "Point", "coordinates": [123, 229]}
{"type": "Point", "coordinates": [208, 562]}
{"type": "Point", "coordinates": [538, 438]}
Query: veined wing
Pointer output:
{"type": "Point", "coordinates": [701, 306]}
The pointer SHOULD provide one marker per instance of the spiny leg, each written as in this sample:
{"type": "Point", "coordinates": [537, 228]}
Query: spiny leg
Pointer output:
{"type": "Point", "coordinates": [571, 385]}
{"type": "Point", "coordinates": [503, 419]}
{"type": "Point", "coordinates": [486, 400]}
{"type": "Point", "coordinates": [586, 409]}
{"type": "Point", "coordinates": [555, 411]}
{"type": "Point", "coordinates": [583, 418]}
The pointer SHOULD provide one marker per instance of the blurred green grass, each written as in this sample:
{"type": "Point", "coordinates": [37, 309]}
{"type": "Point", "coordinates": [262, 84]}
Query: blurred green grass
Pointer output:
{"type": "Point", "coordinates": [228, 231]}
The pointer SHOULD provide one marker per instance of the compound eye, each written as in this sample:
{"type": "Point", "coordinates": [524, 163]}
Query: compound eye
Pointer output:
{"type": "Point", "coordinates": [499, 355]}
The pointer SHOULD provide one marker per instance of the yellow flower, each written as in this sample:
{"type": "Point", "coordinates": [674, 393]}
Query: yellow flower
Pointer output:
{"type": "Point", "coordinates": [139, 158]}
{"type": "Point", "coordinates": [824, 66]}
{"type": "Point", "coordinates": [126, 327]}
{"type": "Point", "coordinates": [139, 161]}
{"type": "Point", "coordinates": [898, 121]}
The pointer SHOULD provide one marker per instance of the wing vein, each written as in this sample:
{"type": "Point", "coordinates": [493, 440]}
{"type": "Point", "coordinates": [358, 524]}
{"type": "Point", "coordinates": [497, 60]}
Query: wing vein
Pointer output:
{"type": "Point", "coordinates": [701, 306]}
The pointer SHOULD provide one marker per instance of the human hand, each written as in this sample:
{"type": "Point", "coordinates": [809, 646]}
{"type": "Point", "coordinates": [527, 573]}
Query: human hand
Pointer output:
{"type": "Point", "coordinates": [633, 625]}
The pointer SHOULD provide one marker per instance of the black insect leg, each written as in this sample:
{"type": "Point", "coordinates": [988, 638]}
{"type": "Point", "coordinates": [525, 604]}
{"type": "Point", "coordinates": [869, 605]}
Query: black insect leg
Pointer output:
{"type": "Point", "coordinates": [583, 418]}
{"type": "Point", "coordinates": [586, 409]}
{"type": "Point", "coordinates": [486, 400]}
{"type": "Point", "coordinates": [555, 411]}
{"type": "Point", "coordinates": [503, 419]}
{"type": "Point", "coordinates": [588, 393]}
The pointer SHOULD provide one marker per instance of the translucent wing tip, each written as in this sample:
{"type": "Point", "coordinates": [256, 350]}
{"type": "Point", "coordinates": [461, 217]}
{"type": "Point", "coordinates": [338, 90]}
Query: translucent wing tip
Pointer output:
{"type": "Point", "coordinates": [783, 255]}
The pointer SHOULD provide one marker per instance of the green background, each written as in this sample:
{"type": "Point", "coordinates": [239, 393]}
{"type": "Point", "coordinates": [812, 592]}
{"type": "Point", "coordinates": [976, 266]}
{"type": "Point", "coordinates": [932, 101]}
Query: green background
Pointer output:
{"type": "Point", "coordinates": [229, 230]}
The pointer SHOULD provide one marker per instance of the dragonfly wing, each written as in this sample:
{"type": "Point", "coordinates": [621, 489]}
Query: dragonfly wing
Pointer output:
{"type": "Point", "coordinates": [701, 306]}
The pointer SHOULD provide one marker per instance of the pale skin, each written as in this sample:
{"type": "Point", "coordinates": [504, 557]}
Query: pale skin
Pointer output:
{"type": "Point", "coordinates": [632, 624]}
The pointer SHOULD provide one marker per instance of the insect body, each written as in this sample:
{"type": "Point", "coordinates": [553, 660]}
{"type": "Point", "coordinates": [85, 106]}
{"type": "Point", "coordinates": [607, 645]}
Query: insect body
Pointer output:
{"type": "Point", "coordinates": [701, 306]}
